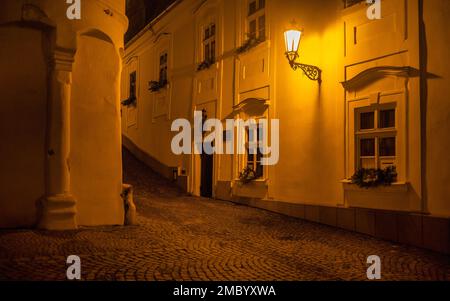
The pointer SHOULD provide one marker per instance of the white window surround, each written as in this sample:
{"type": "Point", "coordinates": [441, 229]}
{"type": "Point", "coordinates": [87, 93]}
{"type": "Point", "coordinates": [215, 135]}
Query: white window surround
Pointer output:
{"type": "Point", "coordinates": [366, 89]}
{"type": "Point", "coordinates": [242, 159]}
{"type": "Point", "coordinates": [388, 99]}
{"type": "Point", "coordinates": [163, 46]}
{"type": "Point", "coordinates": [207, 75]}
{"type": "Point", "coordinates": [132, 65]}
{"type": "Point", "coordinates": [254, 160]}
{"type": "Point", "coordinates": [254, 66]}
{"type": "Point", "coordinates": [161, 100]}
{"type": "Point", "coordinates": [205, 15]}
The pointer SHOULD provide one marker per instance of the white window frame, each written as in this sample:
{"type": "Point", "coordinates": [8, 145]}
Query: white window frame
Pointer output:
{"type": "Point", "coordinates": [377, 133]}
{"type": "Point", "coordinates": [387, 99]}
{"type": "Point", "coordinates": [242, 159]}
{"type": "Point", "coordinates": [256, 139]}
{"type": "Point", "coordinates": [255, 17]}
{"type": "Point", "coordinates": [163, 45]}
{"type": "Point", "coordinates": [209, 41]}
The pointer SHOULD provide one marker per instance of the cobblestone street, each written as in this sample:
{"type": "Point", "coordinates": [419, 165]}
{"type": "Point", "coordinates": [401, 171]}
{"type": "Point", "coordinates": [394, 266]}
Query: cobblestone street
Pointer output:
{"type": "Point", "coordinates": [185, 238]}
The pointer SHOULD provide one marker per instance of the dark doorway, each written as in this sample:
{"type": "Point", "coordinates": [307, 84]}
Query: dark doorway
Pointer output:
{"type": "Point", "coordinates": [206, 188]}
{"type": "Point", "coordinates": [207, 161]}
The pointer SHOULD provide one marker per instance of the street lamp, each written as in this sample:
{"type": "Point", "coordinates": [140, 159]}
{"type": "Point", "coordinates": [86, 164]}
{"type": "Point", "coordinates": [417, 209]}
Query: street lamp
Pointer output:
{"type": "Point", "coordinates": [292, 41]}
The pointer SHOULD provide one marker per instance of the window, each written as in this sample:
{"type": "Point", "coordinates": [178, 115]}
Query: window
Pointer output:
{"type": "Point", "coordinates": [209, 43]}
{"type": "Point", "coordinates": [133, 86]}
{"type": "Point", "coordinates": [256, 19]}
{"type": "Point", "coordinates": [163, 63]}
{"type": "Point", "coordinates": [254, 157]}
{"type": "Point", "coordinates": [376, 136]}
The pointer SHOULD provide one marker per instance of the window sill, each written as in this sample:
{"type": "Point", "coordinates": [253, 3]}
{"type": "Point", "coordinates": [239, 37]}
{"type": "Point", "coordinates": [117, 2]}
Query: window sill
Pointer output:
{"type": "Point", "coordinates": [256, 182]}
{"type": "Point", "coordinates": [212, 66]}
{"type": "Point", "coordinates": [158, 86]}
{"type": "Point", "coordinates": [129, 102]}
{"type": "Point", "coordinates": [161, 90]}
{"type": "Point", "coordinates": [256, 189]}
{"type": "Point", "coordinates": [261, 45]}
{"type": "Point", "coordinates": [393, 188]}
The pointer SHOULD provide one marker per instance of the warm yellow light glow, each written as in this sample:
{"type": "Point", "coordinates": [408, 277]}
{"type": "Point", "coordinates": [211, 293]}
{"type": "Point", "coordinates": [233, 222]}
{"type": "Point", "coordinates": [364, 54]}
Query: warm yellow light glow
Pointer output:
{"type": "Point", "coordinates": [292, 40]}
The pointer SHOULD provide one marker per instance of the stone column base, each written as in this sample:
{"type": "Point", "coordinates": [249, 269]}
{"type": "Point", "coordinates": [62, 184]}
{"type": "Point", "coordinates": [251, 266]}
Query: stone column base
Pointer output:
{"type": "Point", "coordinates": [58, 212]}
{"type": "Point", "coordinates": [129, 206]}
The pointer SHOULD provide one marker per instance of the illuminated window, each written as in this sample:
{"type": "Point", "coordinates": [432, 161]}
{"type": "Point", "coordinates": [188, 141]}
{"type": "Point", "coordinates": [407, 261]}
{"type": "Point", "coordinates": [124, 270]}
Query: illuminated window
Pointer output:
{"type": "Point", "coordinates": [209, 43]}
{"type": "Point", "coordinates": [256, 19]}
{"type": "Point", "coordinates": [254, 157]}
{"type": "Point", "coordinates": [163, 63]}
{"type": "Point", "coordinates": [376, 136]}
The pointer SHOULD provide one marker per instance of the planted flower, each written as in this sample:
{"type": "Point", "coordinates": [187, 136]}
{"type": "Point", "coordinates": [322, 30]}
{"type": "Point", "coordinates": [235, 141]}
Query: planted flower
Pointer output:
{"type": "Point", "coordinates": [371, 178]}
{"type": "Point", "coordinates": [155, 86]}
{"type": "Point", "coordinates": [247, 175]}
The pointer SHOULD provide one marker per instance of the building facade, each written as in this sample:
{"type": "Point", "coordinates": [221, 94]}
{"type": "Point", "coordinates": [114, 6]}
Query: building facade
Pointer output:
{"type": "Point", "coordinates": [382, 101]}
{"type": "Point", "coordinates": [60, 116]}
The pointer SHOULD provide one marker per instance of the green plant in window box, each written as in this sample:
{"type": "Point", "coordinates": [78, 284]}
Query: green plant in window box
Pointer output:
{"type": "Point", "coordinates": [155, 86]}
{"type": "Point", "coordinates": [130, 101]}
{"type": "Point", "coordinates": [206, 64]}
{"type": "Point", "coordinates": [250, 43]}
{"type": "Point", "coordinates": [371, 178]}
{"type": "Point", "coordinates": [247, 175]}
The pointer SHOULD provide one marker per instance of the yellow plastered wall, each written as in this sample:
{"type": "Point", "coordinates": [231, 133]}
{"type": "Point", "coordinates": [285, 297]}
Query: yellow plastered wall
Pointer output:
{"type": "Point", "coordinates": [311, 123]}
{"type": "Point", "coordinates": [315, 154]}
{"type": "Point", "coordinates": [96, 174]}
{"type": "Point", "coordinates": [85, 53]}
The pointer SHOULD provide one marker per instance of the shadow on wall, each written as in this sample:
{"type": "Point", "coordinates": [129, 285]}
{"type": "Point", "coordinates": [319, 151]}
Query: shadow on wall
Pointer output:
{"type": "Point", "coordinates": [23, 87]}
{"type": "Point", "coordinates": [423, 103]}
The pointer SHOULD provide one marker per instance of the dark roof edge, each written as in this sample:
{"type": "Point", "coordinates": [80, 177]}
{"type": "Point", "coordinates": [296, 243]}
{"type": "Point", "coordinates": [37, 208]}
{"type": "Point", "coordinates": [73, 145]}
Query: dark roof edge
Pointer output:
{"type": "Point", "coordinates": [153, 22]}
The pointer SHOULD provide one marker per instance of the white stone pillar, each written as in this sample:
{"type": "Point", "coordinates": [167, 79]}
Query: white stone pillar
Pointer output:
{"type": "Point", "coordinates": [58, 210]}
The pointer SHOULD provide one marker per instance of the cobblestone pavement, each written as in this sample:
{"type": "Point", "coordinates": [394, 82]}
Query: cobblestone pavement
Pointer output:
{"type": "Point", "coordinates": [185, 238]}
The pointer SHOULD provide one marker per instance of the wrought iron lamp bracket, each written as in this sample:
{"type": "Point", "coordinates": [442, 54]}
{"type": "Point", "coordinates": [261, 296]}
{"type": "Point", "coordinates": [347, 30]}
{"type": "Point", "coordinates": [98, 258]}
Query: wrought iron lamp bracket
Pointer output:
{"type": "Point", "coordinates": [312, 72]}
